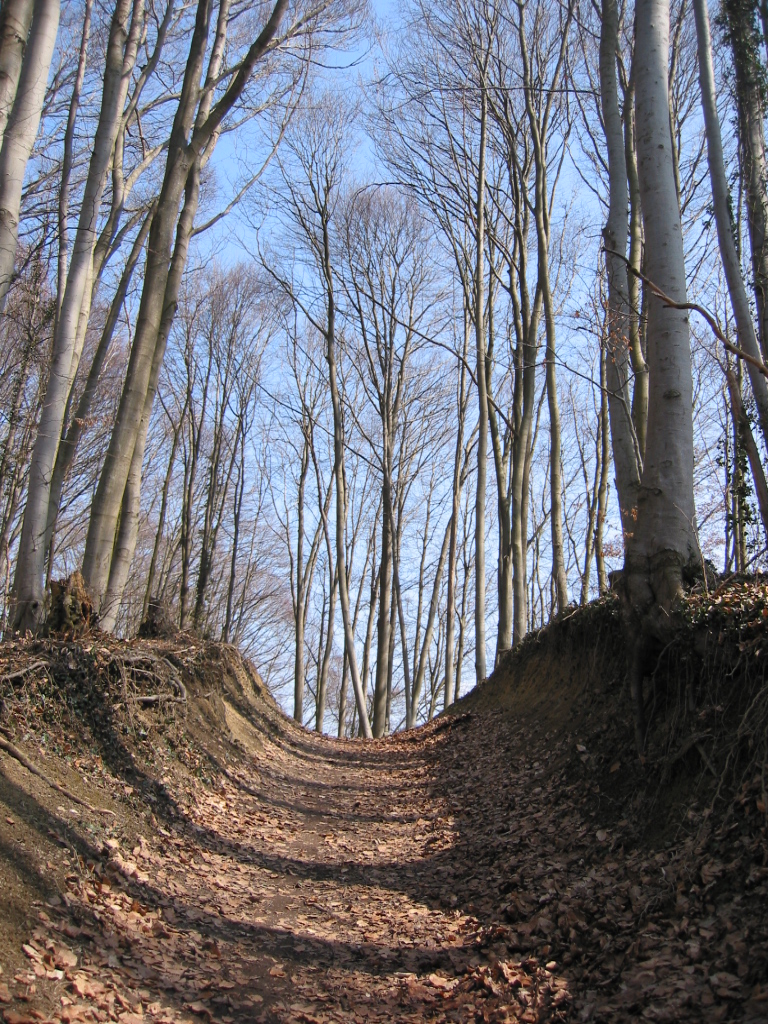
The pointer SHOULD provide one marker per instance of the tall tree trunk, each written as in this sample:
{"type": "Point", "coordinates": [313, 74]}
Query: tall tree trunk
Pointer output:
{"type": "Point", "coordinates": [128, 526]}
{"type": "Point", "coordinates": [450, 612]}
{"type": "Point", "coordinates": [21, 130]}
{"type": "Point", "coordinates": [15, 21]}
{"type": "Point", "coordinates": [325, 664]}
{"type": "Point", "coordinates": [403, 636]}
{"type": "Point", "coordinates": [555, 471]}
{"type": "Point", "coordinates": [749, 72]}
{"type": "Point", "coordinates": [385, 601]}
{"type": "Point", "coordinates": [723, 219]}
{"type": "Point", "coordinates": [70, 440]}
{"type": "Point", "coordinates": [663, 541]}
{"type": "Point", "coordinates": [522, 451]}
{"type": "Point", "coordinates": [743, 436]}
{"type": "Point", "coordinates": [109, 493]}
{"type": "Point", "coordinates": [343, 697]}
{"type": "Point", "coordinates": [161, 521]}
{"type": "Point", "coordinates": [637, 335]}
{"type": "Point", "coordinates": [391, 664]}
{"type": "Point", "coordinates": [482, 439]}
{"type": "Point", "coordinates": [538, 123]}
{"type": "Point", "coordinates": [299, 671]}
{"type": "Point", "coordinates": [125, 544]}
{"type": "Point", "coordinates": [626, 448]}
{"type": "Point", "coordinates": [341, 502]}
{"type": "Point", "coordinates": [419, 675]}
{"type": "Point", "coordinates": [369, 628]}
{"type": "Point", "coordinates": [500, 449]}
{"type": "Point", "coordinates": [159, 294]}
{"type": "Point", "coordinates": [605, 462]}
{"type": "Point", "coordinates": [237, 513]}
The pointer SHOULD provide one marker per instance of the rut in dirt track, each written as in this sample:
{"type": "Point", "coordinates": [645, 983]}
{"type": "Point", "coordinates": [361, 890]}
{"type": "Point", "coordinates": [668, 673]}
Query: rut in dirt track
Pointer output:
{"type": "Point", "coordinates": [447, 875]}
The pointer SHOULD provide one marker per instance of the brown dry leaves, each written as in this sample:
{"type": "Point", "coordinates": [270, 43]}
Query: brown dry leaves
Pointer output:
{"type": "Point", "coordinates": [455, 876]}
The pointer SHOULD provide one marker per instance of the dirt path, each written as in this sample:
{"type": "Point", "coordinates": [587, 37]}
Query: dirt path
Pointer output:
{"type": "Point", "coordinates": [456, 874]}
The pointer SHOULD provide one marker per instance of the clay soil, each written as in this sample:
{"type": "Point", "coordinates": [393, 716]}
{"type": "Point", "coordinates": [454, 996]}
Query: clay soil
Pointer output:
{"type": "Point", "coordinates": [510, 862]}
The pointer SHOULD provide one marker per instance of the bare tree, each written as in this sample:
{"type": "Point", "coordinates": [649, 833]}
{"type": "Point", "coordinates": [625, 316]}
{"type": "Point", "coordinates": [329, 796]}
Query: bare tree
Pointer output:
{"type": "Point", "coordinates": [388, 290]}
{"type": "Point", "coordinates": [312, 183]}
{"type": "Point", "coordinates": [196, 127]}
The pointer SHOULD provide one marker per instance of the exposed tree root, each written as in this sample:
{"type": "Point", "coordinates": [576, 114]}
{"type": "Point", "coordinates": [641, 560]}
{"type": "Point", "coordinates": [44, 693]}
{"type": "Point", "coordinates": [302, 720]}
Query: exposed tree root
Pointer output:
{"type": "Point", "coordinates": [21, 672]}
{"type": "Point", "coordinates": [14, 752]}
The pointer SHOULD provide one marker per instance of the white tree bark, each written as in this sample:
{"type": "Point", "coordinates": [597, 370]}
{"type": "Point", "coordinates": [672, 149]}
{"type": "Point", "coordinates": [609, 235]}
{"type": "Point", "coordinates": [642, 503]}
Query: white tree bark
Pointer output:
{"type": "Point", "coordinates": [663, 540]}
{"type": "Point", "coordinates": [15, 20]}
{"type": "Point", "coordinates": [194, 129]}
{"type": "Point", "coordinates": [21, 131]}
{"type": "Point", "coordinates": [73, 316]}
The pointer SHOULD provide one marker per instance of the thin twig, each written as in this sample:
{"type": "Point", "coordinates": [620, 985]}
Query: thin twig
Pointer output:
{"type": "Point", "coordinates": [701, 310]}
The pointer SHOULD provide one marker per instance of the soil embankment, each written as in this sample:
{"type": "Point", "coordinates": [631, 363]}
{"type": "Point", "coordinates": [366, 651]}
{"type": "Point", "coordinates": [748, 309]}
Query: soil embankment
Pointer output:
{"type": "Point", "coordinates": [510, 862]}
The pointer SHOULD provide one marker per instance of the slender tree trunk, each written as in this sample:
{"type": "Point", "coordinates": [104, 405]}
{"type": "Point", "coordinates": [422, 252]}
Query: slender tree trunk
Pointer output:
{"type": "Point", "coordinates": [403, 636]}
{"type": "Point", "coordinates": [299, 671]}
{"type": "Point", "coordinates": [341, 504]}
{"type": "Point", "coordinates": [637, 347]}
{"type": "Point", "coordinates": [109, 493]}
{"type": "Point", "coordinates": [522, 452]}
{"type": "Point", "coordinates": [499, 446]}
{"type": "Point", "coordinates": [450, 612]}
{"type": "Point", "coordinates": [128, 527]}
{"type": "Point", "coordinates": [369, 628]}
{"type": "Point", "coordinates": [626, 448]}
{"type": "Point", "coordinates": [418, 680]}
{"type": "Point", "coordinates": [592, 491]}
{"type": "Point", "coordinates": [343, 696]}
{"type": "Point", "coordinates": [125, 544]}
{"type": "Point", "coordinates": [482, 440]}
{"type": "Point", "coordinates": [385, 601]}
{"type": "Point", "coordinates": [226, 632]}
{"type": "Point", "coordinates": [462, 617]}
{"type": "Point", "coordinates": [749, 72]}
{"type": "Point", "coordinates": [161, 521]}
{"type": "Point", "coordinates": [325, 665]}
{"type": "Point", "coordinates": [555, 473]}
{"type": "Point", "coordinates": [723, 219]}
{"type": "Point", "coordinates": [71, 439]}
{"type": "Point", "coordinates": [185, 536]}
{"type": "Point", "coordinates": [538, 123]}
{"type": "Point", "coordinates": [745, 437]}
{"type": "Point", "coordinates": [390, 663]}
{"type": "Point", "coordinates": [605, 462]}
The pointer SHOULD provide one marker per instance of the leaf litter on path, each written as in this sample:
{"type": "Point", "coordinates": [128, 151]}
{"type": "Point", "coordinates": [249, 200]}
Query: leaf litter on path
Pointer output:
{"type": "Point", "coordinates": [459, 874]}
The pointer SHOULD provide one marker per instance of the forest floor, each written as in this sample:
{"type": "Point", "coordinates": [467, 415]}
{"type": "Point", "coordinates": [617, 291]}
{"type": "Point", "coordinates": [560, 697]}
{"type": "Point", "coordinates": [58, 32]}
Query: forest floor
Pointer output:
{"type": "Point", "coordinates": [500, 864]}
